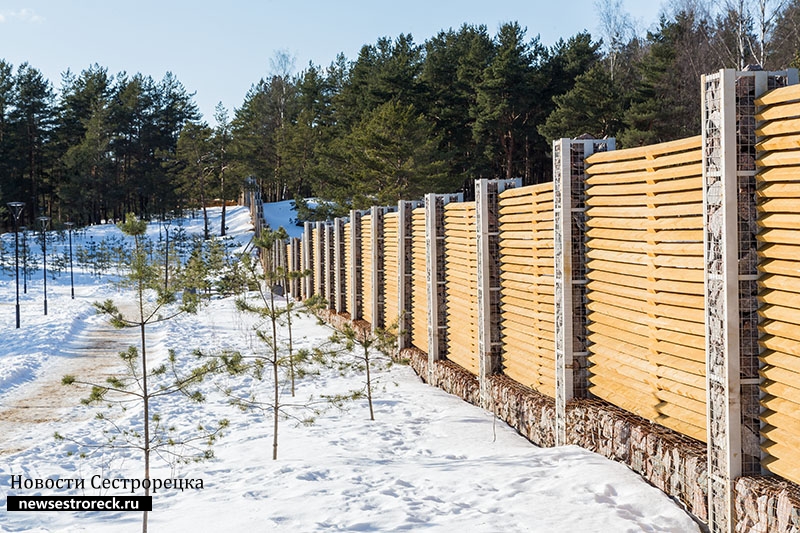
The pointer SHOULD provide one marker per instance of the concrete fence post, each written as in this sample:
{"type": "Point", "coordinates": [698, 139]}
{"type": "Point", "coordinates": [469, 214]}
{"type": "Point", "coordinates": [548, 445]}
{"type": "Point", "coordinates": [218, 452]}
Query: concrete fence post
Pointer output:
{"type": "Point", "coordinates": [731, 280]}
{"type": "Point", "coordinates": [569, 228]}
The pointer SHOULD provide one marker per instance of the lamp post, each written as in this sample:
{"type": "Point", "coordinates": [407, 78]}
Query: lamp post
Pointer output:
{"type": "Point", "coordinates": [16, 211]}
{"type": "Point", "coordinates": [24, 231]}
{"type": "Point", "coordinates": [43, 221]}
{"type": "Point", "coordinates": [69, 226]}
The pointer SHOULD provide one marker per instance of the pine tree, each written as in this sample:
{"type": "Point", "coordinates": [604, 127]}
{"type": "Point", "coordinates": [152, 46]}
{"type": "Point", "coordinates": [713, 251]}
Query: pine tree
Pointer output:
{"type": "Point", "coordinates": [141, 382]}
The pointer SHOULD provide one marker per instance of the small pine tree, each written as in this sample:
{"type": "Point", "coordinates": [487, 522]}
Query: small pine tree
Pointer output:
{"type": "Point", "coordinates": [280, 361]}
{"type": "Point", "coordinates": [140, 382]}
{"type": "Point", "coordinates": [363, 350]}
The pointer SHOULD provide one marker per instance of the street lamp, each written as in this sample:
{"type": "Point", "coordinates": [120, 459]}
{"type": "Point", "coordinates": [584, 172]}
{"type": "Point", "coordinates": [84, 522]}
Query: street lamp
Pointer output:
{"type": "Point", "coordinates": [24, 231]}
{"type": "Point", "coordinates": [43, 221]}
{"type": "Point", "coordinates": [16, 211]}
{"type": "Point", "coordinates": [69, 226]}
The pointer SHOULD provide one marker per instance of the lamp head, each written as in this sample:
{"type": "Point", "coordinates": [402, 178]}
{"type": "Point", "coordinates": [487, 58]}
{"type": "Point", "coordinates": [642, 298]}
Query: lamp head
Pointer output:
{"type": "Point", "coordinates": [16, 208]}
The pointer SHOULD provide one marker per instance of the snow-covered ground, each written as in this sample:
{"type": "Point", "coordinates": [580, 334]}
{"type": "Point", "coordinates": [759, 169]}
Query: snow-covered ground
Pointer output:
{"type": "Point", "coordinates": [428, 462]}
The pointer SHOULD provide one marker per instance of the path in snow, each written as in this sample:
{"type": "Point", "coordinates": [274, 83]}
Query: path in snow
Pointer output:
{"type": "Point", "coordinates": [91, 356]}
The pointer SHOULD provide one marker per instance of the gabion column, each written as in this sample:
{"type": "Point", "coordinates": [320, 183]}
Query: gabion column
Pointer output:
{"type": "Point", "coordinates": [488, 244]}
{"type": "Point", "coordinates": [569, 224]}
{"type": "Point", "coordinates": [731, 288]}
{"type": "Point", "coordinates": [354, 302]}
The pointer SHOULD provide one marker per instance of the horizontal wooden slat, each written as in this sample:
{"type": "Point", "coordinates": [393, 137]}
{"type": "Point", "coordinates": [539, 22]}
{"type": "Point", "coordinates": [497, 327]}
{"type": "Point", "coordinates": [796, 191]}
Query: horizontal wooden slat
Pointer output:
{"type": "Point", "coordinates": [780, 95]}
{"type": "Point", "coordinates": [645, 152]}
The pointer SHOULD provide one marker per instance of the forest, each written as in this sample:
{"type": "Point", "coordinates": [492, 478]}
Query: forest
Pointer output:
{"type": "Point", "coordinates": [399, 120]}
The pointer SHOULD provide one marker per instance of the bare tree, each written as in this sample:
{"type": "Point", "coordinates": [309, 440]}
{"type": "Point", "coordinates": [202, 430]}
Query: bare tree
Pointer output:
{"type": "Point", "coordinates": [617, 30]}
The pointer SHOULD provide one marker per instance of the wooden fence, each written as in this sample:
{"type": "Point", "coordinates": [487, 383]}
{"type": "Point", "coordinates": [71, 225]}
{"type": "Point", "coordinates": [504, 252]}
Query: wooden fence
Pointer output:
{"type": "Point", "coordinates": [526, 279]}
{"type": "Point", "coordinates": [645, 251]}
{"type": "Point", "coordinates": [633, 259]}
{"type": "Point", "coordinates": [779, 268]}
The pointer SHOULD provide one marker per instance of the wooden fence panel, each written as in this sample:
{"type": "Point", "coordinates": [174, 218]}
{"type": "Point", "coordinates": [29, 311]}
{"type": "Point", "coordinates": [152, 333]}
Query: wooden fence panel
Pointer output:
{"type": "Point", "coordinates": [778, 189]}
{"type": "Point", "coordinates": [366, 268]}
{"type": "Point", "coordinates": [645, 299]}
{"type": "Point", "coordinates": [419, 284]}
{"type": "Point", "coordinates": [390, 273]}
{"type": "Point", "coordinates": [526, 281]}
{"type": "Point", "coordinates": [461, 285]}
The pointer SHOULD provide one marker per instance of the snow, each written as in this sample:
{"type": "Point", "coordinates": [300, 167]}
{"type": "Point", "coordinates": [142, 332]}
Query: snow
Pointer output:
{"type": "Point", "coordinates": [277, 214]}
{"type": "Point", "coordinates": [428, 462]}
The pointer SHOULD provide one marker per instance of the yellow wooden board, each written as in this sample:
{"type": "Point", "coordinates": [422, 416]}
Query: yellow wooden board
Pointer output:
{"type": "Point", "coordinates": [780, 95]}
{"type": "Point", "coordinates": [673, 361]}
{"type": "Point", "coordinates": [648, 272]}
{"type": "Point", "coordinates": [776, 174]}
{"type": "Point", "coordinates": [674, 417]}
{"type": "Point", "coordinates": [532, 345]}
{"type": "Point", "coordinates": [686, 288]}
{"type": "Point", "coordinates": [526, 362]}
{"type": "Point", "coordinates": [686, 396]}
{"type": "Point", "coordinates": [647, 176]}
{"type": "Point", "coordinates": [651, 320]}
{"type": "Point", "coordinates": [687, 237]}
{"type": "Point", "coordinates": [683, 314]}
{"type": "Point", "coordinates": [635, 291]}
{"type": "Point", "coordinates": [777, 266]}
{"type": "Point", "coordinates": [772, 205]}
{"type": "Point", "coordinates": [650, 151]}
{"type": "Point", "coordinates": [787, 469]}
{"type": "Point", "coordinates": [778, 111]}
{"type": "Point", "coordinates": [646, 224]}
{"type": "Point", "coordinates": [780, 352]}
{"type": "Point", "coordinates": [657, 249]}
{"type": "Point", "coordinates": [778, 127]}
{"type": "Point", "coordinates": [540, 327]}
{"type": "Point", "coordinates": [779, 220]}
{"type": "Point", "coordinates": [661, 211]}
{"type": "Point", "coordinates": [544, 268]}
{"type": "Point", "coordinates": [663, 161]}
{"type": "Point", "coordinates": [779, 189]}
{"type": "Point", "coordinates": [632, 401]}
{"type": "Point", "coordinates": [775, 159]}
{"type": "Point", "coordinates": [780, 236]}
{"type": "Point", "coordinates": [693, 196]}
{"type": "Point", "coordinates": [691, 183]}
{"type": "Point", "coordinates": [525, 293]}
{"type": "Point", "coordinates": [647, 329]}
{"type": "Point", "coordinates": [783, 142]}
{"type": "Point", "coordinates": [780, 251]}
{"type": "Point", "coordinates": [780, 329]}
{"type": "Point", "coordinates": [539, 281]}
{"type": "Point", "coordinates": [689, 263]}
{"type": "Point", "coordinates": [783, 376]}
{"type": "Point", "coordinates": [642, 397]}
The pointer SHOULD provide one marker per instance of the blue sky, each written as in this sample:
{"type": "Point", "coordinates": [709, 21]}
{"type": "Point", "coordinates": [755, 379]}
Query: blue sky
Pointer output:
{"type": "Point", "coordinates": [219, 49]}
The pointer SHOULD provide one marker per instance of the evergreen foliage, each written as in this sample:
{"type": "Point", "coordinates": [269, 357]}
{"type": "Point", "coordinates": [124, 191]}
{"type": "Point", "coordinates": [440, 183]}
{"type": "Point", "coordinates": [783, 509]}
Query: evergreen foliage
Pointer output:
{"type": "Point", "coordinates": [399, 119]}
